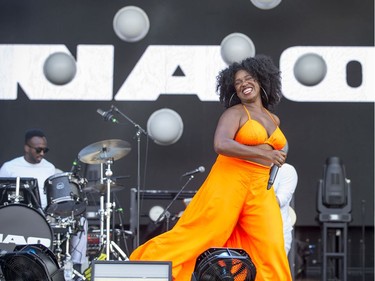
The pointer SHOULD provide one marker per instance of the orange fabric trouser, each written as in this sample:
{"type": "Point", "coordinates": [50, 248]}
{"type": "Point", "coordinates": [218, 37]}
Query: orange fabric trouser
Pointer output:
{"type": "Point", "coordinates": [232, 209]}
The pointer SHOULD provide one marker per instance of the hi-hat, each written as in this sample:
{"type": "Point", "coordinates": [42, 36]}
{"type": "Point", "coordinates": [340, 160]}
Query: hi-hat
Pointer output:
{"type": "Point", "coordinates": [102, 151]}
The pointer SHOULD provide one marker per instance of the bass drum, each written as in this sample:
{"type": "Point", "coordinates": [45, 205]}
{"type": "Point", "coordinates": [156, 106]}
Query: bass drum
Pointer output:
{"type": "Point", "coordinates": [20, 225]}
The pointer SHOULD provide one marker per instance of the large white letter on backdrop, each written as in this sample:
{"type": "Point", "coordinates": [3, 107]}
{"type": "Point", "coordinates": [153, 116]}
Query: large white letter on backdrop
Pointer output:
{"type": "Point", "coordinates": [23, 65]}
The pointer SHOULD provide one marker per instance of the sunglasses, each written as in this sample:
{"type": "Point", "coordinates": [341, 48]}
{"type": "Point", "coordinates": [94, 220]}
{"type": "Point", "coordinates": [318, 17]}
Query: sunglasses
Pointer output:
{"type": "Point", "coordinates": [39, 149]}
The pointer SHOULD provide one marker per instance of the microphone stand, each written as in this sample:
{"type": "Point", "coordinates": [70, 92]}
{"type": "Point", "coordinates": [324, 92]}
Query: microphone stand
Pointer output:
{"type": "Point", "coordinates": [166, 212]}
{"type": "Point", "coordinates": [139, 132]}
{"type": "Point", "coordinates": [363, 240]}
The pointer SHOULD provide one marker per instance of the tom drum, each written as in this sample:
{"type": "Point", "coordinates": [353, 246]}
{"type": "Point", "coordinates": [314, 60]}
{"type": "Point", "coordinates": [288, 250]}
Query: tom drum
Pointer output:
{"type": "Point", "coordinates": [64, 195]}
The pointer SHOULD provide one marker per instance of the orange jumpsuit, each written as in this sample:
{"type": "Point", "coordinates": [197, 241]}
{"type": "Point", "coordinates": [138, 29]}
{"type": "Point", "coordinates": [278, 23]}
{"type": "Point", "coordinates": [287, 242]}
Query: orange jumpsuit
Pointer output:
{"type": "Point", "coordinates": [233, 209]}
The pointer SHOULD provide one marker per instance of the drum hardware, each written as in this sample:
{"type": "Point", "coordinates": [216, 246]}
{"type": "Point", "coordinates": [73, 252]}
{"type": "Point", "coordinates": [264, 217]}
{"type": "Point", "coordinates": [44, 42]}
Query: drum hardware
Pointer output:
{"type": "Point", "coordinates": [100, 186]}
{"type": "Point", "coordinates": [105, 152]}
{"type": "Point", "coordinates": [110, 245]}
{"type": "Point", "coordinates": [68, 259]}
{"type": "Point", "coordinates": [15, 197]}
{"type": "Point", "coordinates": [101, 216]}
{"type": "Point", "coordinates": [66, 227]}
{"type": "Point", "coordinates": [68, 223]}
{"type": "Point", "coordinates": [58, 250]}
{"type": "Point", "coordinates": [63, 229]}
{"type": "Point", "coordinates": [24, 191]}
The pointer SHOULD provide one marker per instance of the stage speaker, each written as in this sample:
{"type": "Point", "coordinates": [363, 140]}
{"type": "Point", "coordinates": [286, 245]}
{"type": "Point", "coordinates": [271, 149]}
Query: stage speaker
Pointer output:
{"type": "Point", "coordinates": [131, 270]}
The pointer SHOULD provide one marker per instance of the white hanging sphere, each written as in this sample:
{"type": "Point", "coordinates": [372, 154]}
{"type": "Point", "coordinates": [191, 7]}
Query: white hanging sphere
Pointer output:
{"type": "Point", "coordinates": [131, 24]}
{"type": "Point", "coordinates": [60, 68]}
{"type": "Point", "coordinates": [236, 47]}
{"type": "Point", "coordinates": [310, 69]}
{"type": "Point", "coordinates": [265, 4]}
{"type": "Point", "coordinates": [165, 126]}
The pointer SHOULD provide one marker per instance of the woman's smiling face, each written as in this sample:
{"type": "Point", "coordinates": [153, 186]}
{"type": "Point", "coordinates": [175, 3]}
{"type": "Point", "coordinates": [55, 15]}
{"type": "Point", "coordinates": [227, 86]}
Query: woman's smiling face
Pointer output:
{"type": "Point", "coordinates": [247, 87]}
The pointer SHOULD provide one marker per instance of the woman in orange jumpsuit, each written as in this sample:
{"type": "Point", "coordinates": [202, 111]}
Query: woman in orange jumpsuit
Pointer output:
{"type": "Point", "coordinates": [233, 207]}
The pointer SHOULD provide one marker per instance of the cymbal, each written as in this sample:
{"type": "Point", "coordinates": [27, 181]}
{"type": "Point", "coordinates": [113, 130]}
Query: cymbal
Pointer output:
{"type": "Point", "coordinates": [102, 151]}
{"type": "Point", "coordinates": [102, 188]}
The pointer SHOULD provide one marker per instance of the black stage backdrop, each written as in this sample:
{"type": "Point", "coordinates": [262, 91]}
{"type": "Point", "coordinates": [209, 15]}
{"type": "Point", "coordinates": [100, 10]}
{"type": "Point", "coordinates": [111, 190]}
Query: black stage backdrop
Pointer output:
{"type": "Point", "coordinates": [315, 130]}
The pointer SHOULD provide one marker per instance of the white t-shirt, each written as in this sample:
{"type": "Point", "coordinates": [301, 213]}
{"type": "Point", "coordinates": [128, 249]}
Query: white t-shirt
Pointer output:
{"type": "Point", "coordinates": [284, 185]}
{"type": "Point", "coordinates": [19, 167]}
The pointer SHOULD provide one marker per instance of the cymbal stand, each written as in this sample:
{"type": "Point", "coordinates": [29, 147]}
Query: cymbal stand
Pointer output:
{"type": "Point", "coordinates": [101, 210]}
{"type": "Point", "coordinates": [68, 263]}
{"type": "Point", "coordinates": [110, 245]}
{"type": "Point", "coordinates": [63, 225]}
{"type": "Point", "coordinates": [101, 214]}
{"type": "Point", "coordinates": [58, 249]}
{"type": "Point", "coordinates": [138, 135]}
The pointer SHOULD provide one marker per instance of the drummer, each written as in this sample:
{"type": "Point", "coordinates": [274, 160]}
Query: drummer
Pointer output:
{"type": "Point", "coordinates": [33, 165]}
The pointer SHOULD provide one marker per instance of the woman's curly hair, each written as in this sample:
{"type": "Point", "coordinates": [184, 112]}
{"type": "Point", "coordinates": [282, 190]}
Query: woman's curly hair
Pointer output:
{"type": "Point", "coordinates": [260, 68]}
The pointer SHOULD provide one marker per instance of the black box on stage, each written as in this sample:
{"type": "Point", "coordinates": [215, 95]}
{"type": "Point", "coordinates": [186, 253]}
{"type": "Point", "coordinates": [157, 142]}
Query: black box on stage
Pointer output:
{"type": "Point", "coordinates": [131, 270]}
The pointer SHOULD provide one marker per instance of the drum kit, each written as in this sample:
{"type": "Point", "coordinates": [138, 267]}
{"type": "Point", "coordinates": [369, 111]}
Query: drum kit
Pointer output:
{"type": "Point", "coordinates": [66, 204]}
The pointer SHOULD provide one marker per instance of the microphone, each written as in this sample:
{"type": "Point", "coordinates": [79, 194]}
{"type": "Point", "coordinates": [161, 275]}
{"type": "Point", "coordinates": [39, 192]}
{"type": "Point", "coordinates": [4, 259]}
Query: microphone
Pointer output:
{"type": "Point", "coordinates": [107, 115]}
{"type": "Point", "coordinates": [200, 169]}
{"type": "Point", "coordinates": [275, 169]}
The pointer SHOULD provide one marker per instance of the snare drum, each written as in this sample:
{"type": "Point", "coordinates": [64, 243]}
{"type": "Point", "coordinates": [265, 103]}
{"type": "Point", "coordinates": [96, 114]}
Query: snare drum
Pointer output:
{"type": "Point", "coordinates": [20, 225]}
{"type": "Point", "coordinates": [64, 195]}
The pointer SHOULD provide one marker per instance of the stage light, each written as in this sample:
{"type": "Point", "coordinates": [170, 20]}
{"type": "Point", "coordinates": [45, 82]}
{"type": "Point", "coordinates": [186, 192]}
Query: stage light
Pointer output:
{"type": "Point", "coordinates": [334, 192]}
{"type": "Point", "coordinates": [29, 263]}
{"type": "Point", "coordinates": [131, 24]}
{"type": "Point", "coordinates": [60, 68]}
{"type": "Point", "coordinates": [236, 47]}
{"type": "Point", "coordinates": [165, 126]}
{"type": "Point", "coordinates": [218, 264]}
{"type": "Point", "coordinates": [310, 69]}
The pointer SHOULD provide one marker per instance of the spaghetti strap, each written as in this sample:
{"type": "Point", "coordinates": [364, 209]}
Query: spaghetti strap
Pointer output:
{"type": "Point", "coordinates": [273, 119]}
{"type": "Point", "coordinates": [248, 113]}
